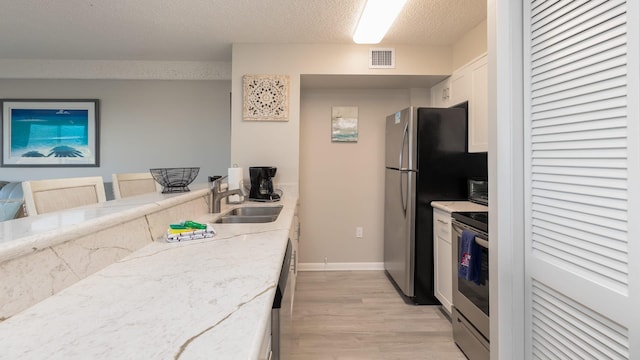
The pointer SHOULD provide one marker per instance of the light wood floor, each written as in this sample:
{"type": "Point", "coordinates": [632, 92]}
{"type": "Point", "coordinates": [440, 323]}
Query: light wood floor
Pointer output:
{"type": "Point", "coordinates": [359, 315]}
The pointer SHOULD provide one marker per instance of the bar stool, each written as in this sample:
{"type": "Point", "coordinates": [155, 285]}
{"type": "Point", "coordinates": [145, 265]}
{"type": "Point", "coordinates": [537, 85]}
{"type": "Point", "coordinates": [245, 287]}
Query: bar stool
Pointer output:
{"type": "Point", "coordinates": [130, 184]}
{"type": "Point", "coordinates": [45, 196]}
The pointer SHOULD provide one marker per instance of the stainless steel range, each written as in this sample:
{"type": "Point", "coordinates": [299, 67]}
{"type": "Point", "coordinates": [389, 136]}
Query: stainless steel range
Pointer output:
{"type": "Point", "coordinates": [470, 315]}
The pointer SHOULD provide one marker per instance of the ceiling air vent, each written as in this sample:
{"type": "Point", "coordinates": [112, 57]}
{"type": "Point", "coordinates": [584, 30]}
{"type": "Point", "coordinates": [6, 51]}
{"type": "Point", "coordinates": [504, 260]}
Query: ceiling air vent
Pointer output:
{"type": "Point", "coordinates": [382, 58]}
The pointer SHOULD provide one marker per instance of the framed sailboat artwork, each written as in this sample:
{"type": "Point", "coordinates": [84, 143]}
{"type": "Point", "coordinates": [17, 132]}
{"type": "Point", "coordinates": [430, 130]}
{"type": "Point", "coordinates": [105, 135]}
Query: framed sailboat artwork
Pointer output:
{"type": "Point", "coordinates": [344, 124]}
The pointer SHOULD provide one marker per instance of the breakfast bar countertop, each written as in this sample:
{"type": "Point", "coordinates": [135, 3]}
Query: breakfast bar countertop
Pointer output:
{"type": "Point", "coordinates": [25, 235]}
{"type": "Point", "coordinates": [208, 298]}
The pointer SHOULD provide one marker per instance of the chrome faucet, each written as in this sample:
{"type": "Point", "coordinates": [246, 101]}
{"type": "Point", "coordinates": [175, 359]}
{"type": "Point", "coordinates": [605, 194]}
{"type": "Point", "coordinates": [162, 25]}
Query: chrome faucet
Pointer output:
{"type": "Point", "coordinates": [217, 194]}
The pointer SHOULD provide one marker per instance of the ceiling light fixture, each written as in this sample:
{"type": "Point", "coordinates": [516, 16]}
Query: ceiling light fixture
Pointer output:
{"type": "Point", "coordinates": [376, 19]}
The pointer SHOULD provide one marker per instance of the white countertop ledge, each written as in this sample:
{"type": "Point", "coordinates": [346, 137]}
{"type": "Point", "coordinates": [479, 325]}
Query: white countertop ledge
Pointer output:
{"type": "Point", "coordinates": [458, 206]}
{"type": "Point", "coordinates": [30, 234]}
{"type": "Point", "coordinates": [200, 299]}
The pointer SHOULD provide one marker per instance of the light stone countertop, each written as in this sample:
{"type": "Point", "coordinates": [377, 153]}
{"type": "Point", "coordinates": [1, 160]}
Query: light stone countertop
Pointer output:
{"type": "Point", "coordinates": [458, 206]}
{"type": "Point", "coordinates": [29, 234]}
{"type": "Point", "coordinates": [198, 299]}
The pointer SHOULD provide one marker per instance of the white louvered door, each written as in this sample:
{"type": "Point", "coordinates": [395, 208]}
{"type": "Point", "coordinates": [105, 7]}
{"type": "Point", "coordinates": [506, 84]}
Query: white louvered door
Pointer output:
{"type": "Point", "coordinates": [581, 175]}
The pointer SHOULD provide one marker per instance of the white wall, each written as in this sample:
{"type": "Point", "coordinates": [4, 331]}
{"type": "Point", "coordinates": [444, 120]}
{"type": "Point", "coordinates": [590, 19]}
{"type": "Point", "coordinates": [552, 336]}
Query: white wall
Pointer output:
{"type": "Point", "coordinates": [420, 97]}
{"type": "Point", "coordinates": [326, 233]}
{"type": "Point", "coordinates": [277, 143]}
{"type": "Point", "coordinates": [470, 46]}
{"type": "Point", "coordinates": [114, 69]}
{"type": "Point", "coordinates": [143, 124]}
{"type": "Point", "coordinates": [341, 184]}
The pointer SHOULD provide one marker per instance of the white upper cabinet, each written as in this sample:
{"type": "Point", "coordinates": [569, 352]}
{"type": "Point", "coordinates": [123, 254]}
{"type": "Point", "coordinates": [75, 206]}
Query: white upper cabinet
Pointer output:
{"type": "Point", "coordinates": [440, 94]}
{"type": "Point", "coordinates": [460, 85]}
{"type": "Point", "coordinates": [479, 106]}
{"type": "Point", "coordinates": [469, 83]}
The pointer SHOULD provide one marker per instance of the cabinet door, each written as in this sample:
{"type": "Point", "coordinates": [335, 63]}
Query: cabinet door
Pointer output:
{"type": "Point", "coordinates": [479, 107]}
{"type": "Point", "coordinates": [440, 94]}
{"type": "Point", "coordinates": [443, 255]}
{"type": "Point", "coordinates": [460, 86]}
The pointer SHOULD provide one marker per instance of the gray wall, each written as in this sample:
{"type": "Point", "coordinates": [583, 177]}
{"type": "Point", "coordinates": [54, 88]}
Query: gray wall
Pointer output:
{"type": "Point", "coordinates": [143, 124]}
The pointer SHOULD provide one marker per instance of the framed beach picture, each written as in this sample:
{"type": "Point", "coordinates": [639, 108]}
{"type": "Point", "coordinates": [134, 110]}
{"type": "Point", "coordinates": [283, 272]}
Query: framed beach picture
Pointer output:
{"type": "Point", "coordinates": [50, 133]}
{"type": "Point", "coordinates": [344, 124]}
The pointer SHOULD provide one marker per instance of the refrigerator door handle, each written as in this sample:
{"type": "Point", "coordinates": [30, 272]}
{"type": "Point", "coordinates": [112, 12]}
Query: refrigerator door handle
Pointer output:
{"type": "Point", "coordinates": [403, 175]}
{"type": "Point", "coordinates": [405, 135]}
{"type": "Point", "coordinates": [402, 193]}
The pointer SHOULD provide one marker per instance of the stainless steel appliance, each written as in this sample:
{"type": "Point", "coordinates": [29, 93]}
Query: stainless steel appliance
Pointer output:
{"type": "Point", "coordinates": [425, 160]}
{"type": "Point", "coordinates": [470, 315]}
{"type": "Point", "coordinates": [262, 183]}
{"type": "Point", "coordinates": [283, 295]}
{"type": "Point", "coordinates": [478, 190]}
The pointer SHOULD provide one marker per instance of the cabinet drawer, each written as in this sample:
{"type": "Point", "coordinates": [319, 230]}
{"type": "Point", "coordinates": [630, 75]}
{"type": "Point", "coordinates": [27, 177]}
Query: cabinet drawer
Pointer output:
{"type": "Point", "coordinates": [442, 224]}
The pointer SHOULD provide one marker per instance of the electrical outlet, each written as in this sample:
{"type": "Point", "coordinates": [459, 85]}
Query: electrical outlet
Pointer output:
{"type": "Point", "coordinates": [359, 232]}
{"type": "Point", "coordinates": [325, 260]}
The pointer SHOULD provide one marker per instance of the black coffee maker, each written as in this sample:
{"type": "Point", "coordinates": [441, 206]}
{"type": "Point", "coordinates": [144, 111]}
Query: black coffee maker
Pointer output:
{"type": "Point", "coordinates": [262, 183]}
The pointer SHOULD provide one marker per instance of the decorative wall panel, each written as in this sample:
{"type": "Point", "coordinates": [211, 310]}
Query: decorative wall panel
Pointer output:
{"type": "Point", "coordinates": [265, 97]}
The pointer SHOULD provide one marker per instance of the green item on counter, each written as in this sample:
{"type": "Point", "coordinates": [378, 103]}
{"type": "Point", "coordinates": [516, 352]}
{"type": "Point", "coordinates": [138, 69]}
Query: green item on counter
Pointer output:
{"type": "Point", "coordinates": [185, 225]}
{"type": "Point", "coordinates": [194, 225]}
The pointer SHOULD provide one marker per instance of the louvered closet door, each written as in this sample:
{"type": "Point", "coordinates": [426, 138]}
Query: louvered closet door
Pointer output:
{"type": "Point", "coordinates": [581, 159]}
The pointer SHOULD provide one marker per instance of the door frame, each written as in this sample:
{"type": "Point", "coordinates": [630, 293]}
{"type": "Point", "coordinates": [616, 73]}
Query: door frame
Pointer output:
{"type": "Point", "coordinates": [506, 178]}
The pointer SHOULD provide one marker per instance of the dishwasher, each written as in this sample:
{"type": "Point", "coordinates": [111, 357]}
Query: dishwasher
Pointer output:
{"type": "Point", "coordinates": [280, 301]}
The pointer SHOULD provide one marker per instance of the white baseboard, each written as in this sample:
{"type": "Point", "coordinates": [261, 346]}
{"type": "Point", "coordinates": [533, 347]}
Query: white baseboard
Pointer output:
{"type": "Point", "coordinates": [340, 266]}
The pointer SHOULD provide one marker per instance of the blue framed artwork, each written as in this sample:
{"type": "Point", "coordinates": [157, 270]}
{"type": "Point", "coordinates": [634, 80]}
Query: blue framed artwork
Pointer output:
{"type": "Point", "coordinates": [50, 133]}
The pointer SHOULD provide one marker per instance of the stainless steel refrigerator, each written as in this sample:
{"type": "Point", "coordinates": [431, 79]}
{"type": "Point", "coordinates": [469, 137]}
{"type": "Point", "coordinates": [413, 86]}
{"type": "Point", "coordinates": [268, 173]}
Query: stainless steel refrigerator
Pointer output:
{"type": "Point", "coordinates": [426, 160]}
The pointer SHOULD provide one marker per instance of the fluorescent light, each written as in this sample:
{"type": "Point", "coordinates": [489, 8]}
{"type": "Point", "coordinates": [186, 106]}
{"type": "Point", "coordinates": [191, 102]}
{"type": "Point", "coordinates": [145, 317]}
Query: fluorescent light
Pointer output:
{"type": "Point", "coordinates": [376, 19]}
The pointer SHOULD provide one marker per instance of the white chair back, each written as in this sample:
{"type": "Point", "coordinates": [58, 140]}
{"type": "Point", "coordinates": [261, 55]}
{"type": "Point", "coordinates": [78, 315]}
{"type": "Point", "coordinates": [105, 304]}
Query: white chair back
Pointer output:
{"type": "Point", "coordinates": [130, 184]}
{"type": "Point", "coordinates": [44, 196]}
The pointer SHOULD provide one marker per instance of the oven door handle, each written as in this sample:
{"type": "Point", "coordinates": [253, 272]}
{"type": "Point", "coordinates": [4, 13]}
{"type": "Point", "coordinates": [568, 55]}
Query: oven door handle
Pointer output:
{"type": "Point", "coordinates": [483, 243]}
{"type": "Point", "coordinates": [480, 241]}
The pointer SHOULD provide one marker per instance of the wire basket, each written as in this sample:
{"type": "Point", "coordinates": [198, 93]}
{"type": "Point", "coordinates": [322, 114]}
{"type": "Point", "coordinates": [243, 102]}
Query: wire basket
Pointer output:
{"type": "Point", "coordinates": [174, 179]}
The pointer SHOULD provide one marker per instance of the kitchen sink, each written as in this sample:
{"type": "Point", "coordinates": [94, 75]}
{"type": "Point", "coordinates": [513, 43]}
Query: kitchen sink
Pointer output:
{"type": "Point", "coordinates": [246, 219]}
{"type": "Point", "coordinates": [250, 215]}
{"type": "Point", "coordinates": [255, 211]}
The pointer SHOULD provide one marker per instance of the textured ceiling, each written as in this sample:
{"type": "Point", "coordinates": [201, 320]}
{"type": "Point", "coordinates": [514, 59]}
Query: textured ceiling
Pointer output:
{"type": "Point", "coordinates": [204, 30]}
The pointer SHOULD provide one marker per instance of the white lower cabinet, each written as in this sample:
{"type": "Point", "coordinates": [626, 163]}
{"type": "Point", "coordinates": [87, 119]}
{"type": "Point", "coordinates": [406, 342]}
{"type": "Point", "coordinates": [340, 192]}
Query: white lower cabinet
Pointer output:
{"type": "Point", "coordinates": [443, 253]}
